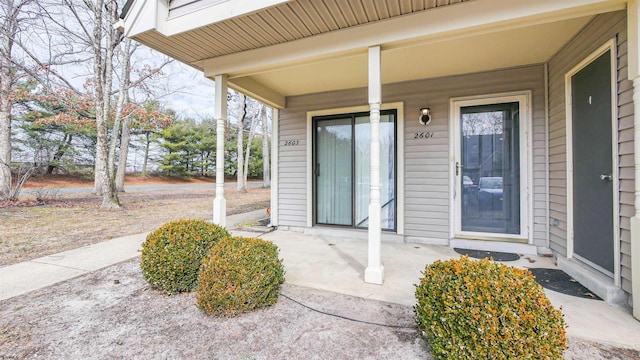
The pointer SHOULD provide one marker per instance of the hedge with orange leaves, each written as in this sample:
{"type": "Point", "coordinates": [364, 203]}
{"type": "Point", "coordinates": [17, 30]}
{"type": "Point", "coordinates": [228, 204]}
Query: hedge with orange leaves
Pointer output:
{"type": "Point", "coordinates": [469, 309]}
{"type": "Point", "coordinates": [172, 254]}
{"type": "Point", "coordinates": [241, 274]}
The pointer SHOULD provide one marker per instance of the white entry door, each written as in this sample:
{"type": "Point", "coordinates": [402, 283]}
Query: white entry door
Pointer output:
{"type": "Point", "coordinates": [490, 167]}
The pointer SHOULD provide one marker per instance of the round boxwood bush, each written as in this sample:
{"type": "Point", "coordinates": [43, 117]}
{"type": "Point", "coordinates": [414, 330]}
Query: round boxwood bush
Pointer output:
{"type": "Point", "coordinates": [481, 309]}
{"type": "Point", "coordinates": [172, 254]}
{"type": "Point", "coordinates": [240, 274]}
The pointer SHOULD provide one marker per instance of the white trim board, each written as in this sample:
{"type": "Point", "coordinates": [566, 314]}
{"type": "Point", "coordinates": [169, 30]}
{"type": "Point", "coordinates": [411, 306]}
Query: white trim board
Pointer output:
{"type": "Point", "coordinates": [275, 163]}
{"type": "Point", "coordinates": [526, 165]}
{"type": "Point", "coordinates": [610, 45]}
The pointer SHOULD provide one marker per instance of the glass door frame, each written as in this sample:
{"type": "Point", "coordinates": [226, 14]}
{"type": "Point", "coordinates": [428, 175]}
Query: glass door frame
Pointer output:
{"type": "Point", "coordinates": [354, 115]}
{"type": "Point", "coordinates": [456, 104]}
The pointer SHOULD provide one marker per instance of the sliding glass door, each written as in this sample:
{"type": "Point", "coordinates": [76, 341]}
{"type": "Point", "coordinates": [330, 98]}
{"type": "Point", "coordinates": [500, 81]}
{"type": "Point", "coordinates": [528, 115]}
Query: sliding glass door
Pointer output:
{"type": "Point", "coordinates": [334, 163]}
{"type": "Point", "coordinates": [342, 169]}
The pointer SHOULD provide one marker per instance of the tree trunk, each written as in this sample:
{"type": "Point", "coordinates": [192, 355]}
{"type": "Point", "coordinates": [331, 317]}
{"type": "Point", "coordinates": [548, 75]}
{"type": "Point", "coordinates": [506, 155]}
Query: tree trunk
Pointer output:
{"type": "Point", "coordinates": [60, 153]}
{"type": "Point", "coordinates": [242, 106]}
{"type": "Point", "coordinates": [248, 151]}
{"type": "Point", "coordinates": [5, 136]}
{"type": "Point", "coordinates": [101, 80]}
{"type": "Point", "coordinates": [124, 152]}
{"type": "Point", "coordinates": [266, 174]}
{"type": "Point", "coordinates": [123, 97]}
{"type": "Point", "coordinates": [146, 154]}
{"type": "Point", "coordinates": [107, 77]}
{"type": "Point", "coordinates": [9, 30]}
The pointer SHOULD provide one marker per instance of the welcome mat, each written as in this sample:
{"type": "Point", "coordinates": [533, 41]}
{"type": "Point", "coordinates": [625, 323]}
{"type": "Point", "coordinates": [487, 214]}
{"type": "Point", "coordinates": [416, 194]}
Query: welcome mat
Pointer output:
{"type": "Point", "coordinates": [481, 254]}
{"type": "Point", "coordinates": [560, 281]}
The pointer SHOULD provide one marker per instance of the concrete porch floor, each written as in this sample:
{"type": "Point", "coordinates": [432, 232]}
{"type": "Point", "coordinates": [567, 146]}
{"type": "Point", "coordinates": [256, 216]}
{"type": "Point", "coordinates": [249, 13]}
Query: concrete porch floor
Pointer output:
{"type": "Point", "coordinates": [337, 264]}
{"type": "Point", "coordinates": [328, 263]}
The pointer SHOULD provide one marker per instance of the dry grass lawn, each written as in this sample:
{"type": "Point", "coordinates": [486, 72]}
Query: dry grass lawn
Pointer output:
{"type": "Point", "coordinates": [68, 221]}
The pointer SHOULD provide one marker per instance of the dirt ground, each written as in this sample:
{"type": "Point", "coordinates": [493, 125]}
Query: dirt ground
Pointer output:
{"type": "Point", "coordinates": [112, 313]}
{"type": "Point", "coordinates": [66, 221]}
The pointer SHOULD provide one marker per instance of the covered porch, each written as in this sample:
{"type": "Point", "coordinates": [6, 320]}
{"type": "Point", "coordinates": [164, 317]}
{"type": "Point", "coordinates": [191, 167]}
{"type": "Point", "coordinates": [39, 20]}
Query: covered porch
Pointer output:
{"type": "Point", "coordinates": [336, 264]}
{"type": "Point", "coordinates": [316, 60]}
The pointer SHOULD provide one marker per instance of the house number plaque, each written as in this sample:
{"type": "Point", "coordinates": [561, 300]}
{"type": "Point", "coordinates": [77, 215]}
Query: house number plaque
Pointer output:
{"type": "Point", "coordinates": [290, 142]}
{"type": "Point", "coordinates": [423, 135]}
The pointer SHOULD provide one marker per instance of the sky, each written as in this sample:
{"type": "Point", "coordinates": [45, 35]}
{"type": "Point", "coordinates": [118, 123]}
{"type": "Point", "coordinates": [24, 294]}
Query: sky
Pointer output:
{"type": "Point", "coordinates": [180, 87]}
{"type": "Point", "coordinates": [194, 97]}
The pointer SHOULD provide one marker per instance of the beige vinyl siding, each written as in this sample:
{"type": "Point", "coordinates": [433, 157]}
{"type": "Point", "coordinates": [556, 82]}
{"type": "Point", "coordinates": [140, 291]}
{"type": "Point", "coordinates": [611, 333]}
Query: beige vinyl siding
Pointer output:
{"type": "Point", "coordinates": [427, 177]}
{"type": "Point", "coordinates": [426, 161]}
{"type": "Point", "coordinates": [601, 29]}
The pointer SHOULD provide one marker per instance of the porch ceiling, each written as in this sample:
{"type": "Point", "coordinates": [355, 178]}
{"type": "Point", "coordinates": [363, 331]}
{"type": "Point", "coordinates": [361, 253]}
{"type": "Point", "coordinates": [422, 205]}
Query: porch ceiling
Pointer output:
{"type": "Point", "coordinates": [306, 46]}
{"type": "Point", "coordinates": [483, 52]}
{"type": "Point", "coordinates": [289, 21]}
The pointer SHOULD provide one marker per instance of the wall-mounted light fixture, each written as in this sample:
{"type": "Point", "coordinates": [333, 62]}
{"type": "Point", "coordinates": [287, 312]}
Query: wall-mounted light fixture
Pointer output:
{"type": "Point", "coordinates": [425, 116]}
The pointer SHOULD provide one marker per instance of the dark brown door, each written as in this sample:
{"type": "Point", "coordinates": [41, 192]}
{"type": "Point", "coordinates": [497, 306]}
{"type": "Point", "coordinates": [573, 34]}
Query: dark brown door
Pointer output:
{"type": "Point", "coordinates": [592, 163]}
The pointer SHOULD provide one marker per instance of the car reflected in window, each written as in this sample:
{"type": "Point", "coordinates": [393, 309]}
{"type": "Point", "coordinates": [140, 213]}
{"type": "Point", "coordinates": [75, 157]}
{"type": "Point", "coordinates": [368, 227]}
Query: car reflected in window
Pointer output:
{"type": "Point", "coordinates": [490, 191]}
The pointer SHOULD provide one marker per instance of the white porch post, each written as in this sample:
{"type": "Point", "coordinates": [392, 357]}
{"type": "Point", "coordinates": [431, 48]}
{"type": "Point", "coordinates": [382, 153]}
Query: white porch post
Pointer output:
{"type": "Point", "coordinates": [275, 140]}
{"type": "Point", "coordinates": [633, 13]}
{"type": "Point", "coordinates": [220, 114]}
{"type": "Point", "coordinates": [374, 272]}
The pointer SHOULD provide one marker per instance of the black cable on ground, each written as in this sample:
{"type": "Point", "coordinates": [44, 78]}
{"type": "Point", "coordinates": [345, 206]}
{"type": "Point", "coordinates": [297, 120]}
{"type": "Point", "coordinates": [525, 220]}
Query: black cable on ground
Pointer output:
{"type": "Point", "coordinates": [413, 327]}
{"type": "Point", "coordinates": [266, 232]}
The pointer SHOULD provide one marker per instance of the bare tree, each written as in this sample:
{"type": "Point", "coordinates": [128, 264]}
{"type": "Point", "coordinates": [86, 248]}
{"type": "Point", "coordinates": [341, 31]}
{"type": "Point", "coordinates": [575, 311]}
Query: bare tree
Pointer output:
{"type": "Point", "coordinates": [266, 174]}
{"type": "Point", "coordinates": [10, 23]}
{"type": "Point", "coordinates": [102, 80]}
{"type": "Point", "coordinates": [242, 115]}
{"type": "Point", "coordinates": [123, 98]}
{"type": "Point", "coordinates": [252, 134]}
{"type": "Point", "coordinates": [92, 26]}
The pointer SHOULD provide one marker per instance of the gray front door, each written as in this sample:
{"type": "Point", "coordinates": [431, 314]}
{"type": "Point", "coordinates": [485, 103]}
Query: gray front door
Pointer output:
{"type": "Point", "coordinates": [592, 163]}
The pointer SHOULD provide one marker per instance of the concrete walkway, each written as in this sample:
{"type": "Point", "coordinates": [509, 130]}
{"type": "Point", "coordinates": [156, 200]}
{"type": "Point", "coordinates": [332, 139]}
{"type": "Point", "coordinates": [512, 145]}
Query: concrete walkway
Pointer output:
{"type": "Point", "coordinates": [35, 274]}
{"type": "Point", "coordinates": [332, 264]}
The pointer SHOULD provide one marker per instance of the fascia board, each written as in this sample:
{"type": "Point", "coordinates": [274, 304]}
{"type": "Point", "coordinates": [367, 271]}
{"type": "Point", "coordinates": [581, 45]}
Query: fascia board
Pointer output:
{"type": "Point", "coordinates": [449, 22]}
{"type": "Point", "coordinates": [258, 91]}
{"type": "Point", "coordinates": [141, 17]}
{"type": "Point", "coordinates": [213, 13]}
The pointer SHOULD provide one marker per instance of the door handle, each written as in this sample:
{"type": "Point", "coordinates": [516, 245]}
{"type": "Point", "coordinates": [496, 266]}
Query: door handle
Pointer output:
{"type": "Point", "coordinates": [458, 167]}
{"type": "Point", "coordinates": [606, 177]}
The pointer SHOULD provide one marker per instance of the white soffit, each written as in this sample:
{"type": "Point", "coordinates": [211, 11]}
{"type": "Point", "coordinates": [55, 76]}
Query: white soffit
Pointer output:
{"type": "Point", "coordinates": [449, 22]}
{"type": "Point", "coordinates": [185, 15]}
{"type": "Point", "coordinates": [504, 49]}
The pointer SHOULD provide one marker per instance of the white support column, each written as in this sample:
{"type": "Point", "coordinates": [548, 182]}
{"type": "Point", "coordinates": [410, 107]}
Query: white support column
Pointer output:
{"type": "Point", "coordinates": [220, 114]}
{"type": "Point", "coordinates": [633, 13]}
{"type": "Point", "coordinates": [635, 220]}
{"type": "Point", "coordinates": [374, 273]}
{"type": "Point", "coordinates": [275, 141]}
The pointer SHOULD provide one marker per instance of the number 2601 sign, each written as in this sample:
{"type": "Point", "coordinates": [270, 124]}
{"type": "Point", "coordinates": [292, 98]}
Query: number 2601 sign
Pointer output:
{"type": "Point", "coordinates": [423, 135]}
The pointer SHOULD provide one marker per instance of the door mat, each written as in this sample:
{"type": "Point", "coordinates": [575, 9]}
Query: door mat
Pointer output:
{"type": "Point", "coordinates": [481, 254]}
{"type": "Point", "coordinates": [560, 281]}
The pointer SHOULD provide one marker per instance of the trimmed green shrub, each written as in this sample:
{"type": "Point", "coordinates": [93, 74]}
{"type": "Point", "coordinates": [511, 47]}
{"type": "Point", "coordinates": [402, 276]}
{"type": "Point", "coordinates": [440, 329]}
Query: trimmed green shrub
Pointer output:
{"type": "Point", "coordinates": [172, 254]}
{"type": "Point", "coordinates": [481, 309]}
{"type": "Point", "coordinates": [240, 275]}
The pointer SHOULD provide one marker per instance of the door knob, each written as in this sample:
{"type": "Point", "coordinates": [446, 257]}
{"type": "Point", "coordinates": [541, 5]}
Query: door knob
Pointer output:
{"type": "Point", "coordinates": [606, 177]}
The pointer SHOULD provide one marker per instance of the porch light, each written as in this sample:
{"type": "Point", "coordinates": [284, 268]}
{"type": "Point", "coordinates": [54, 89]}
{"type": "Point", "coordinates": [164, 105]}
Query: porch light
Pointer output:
{"type": "Point", "coordinates": [425, 116]}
